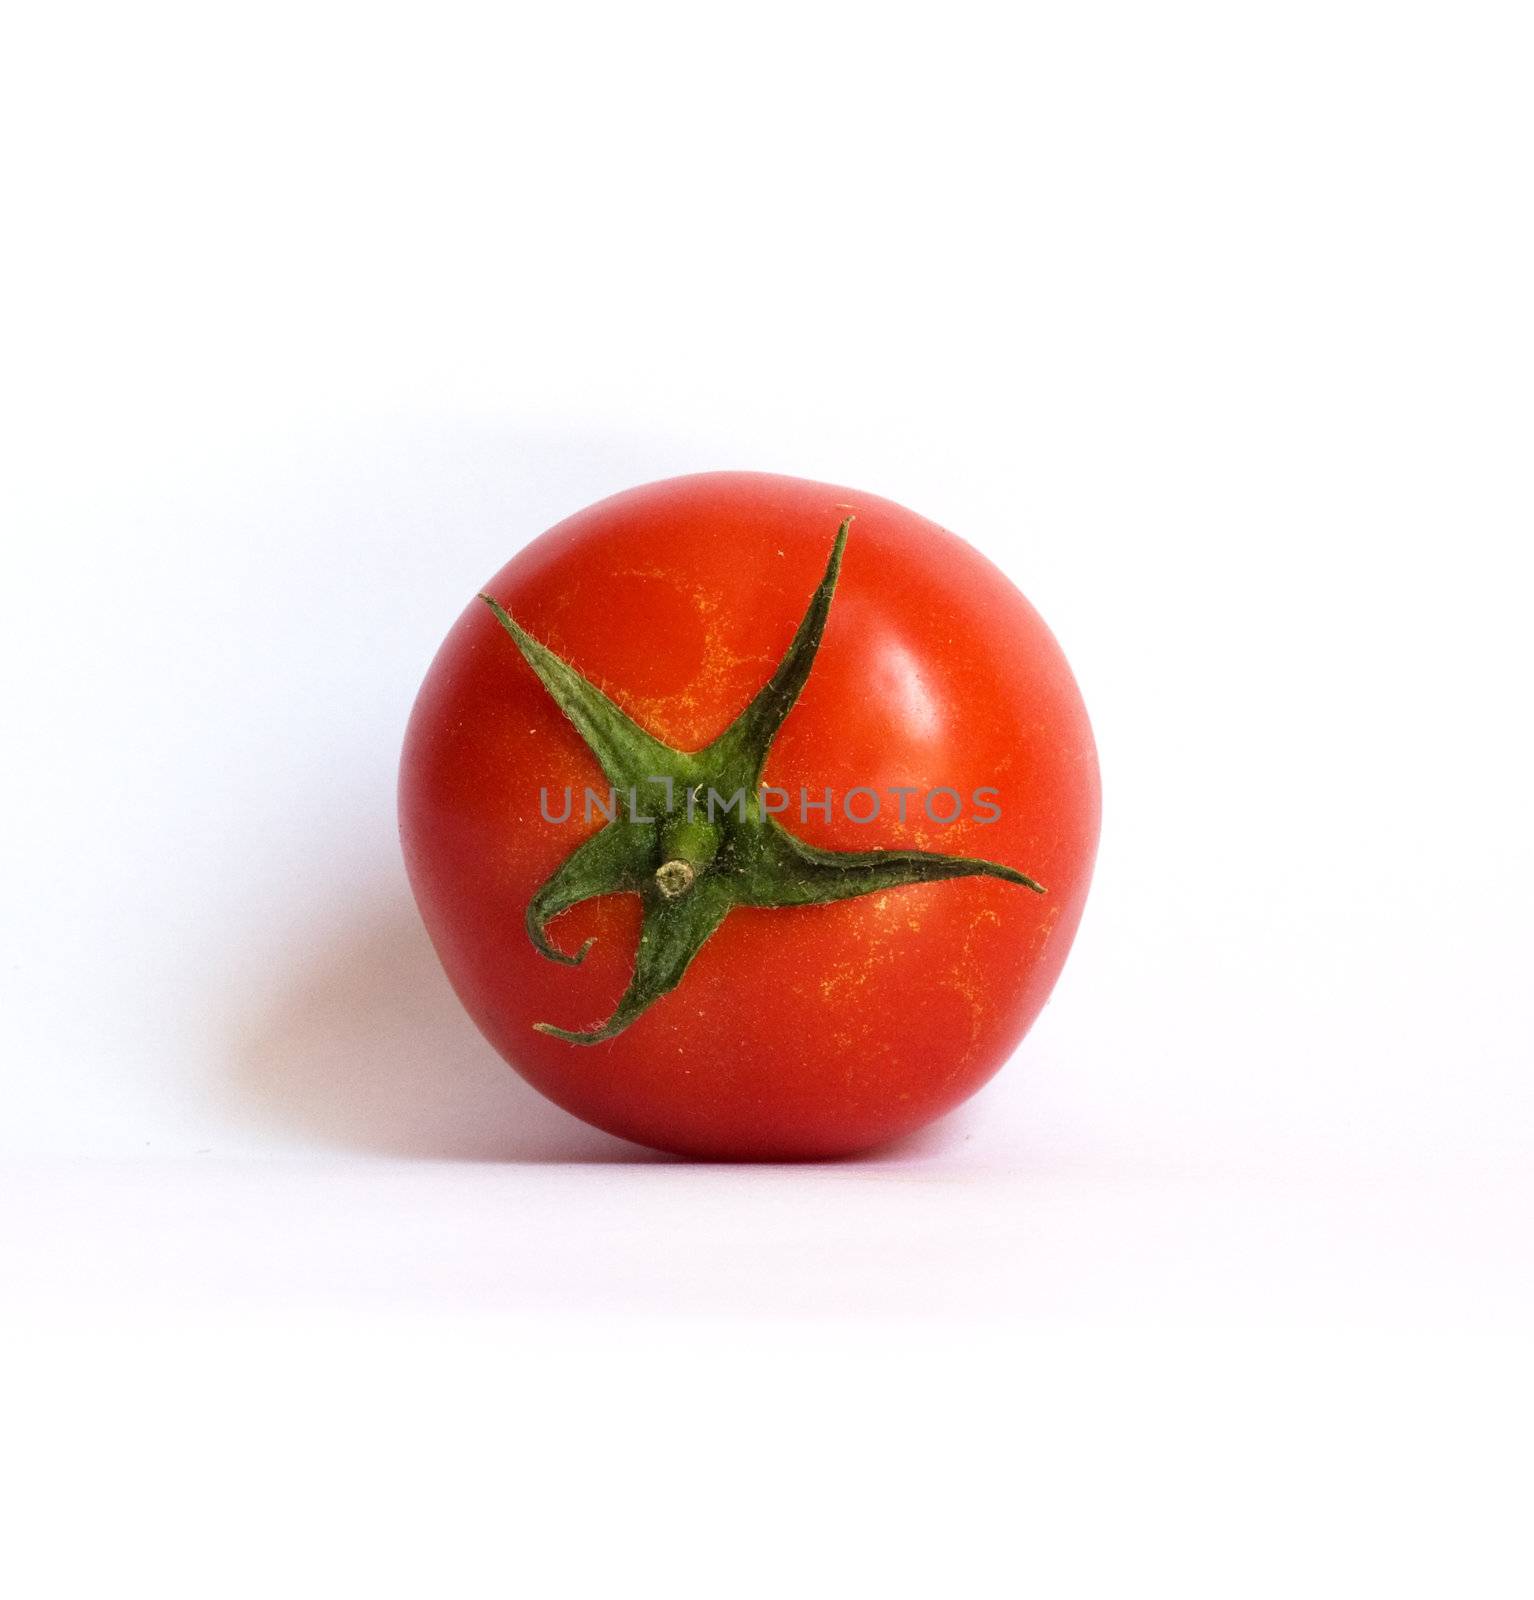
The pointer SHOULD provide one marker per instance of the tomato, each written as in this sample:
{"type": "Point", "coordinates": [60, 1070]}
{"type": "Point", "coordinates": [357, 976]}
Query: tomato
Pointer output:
{"type": "Point", "coordinates": [833, 956]}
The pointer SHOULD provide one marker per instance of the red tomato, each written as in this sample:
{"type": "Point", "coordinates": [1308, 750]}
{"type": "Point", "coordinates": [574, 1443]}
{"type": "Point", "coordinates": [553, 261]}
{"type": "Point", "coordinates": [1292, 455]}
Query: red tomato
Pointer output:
{"type": "Point", "coordinates": [767, 1028]}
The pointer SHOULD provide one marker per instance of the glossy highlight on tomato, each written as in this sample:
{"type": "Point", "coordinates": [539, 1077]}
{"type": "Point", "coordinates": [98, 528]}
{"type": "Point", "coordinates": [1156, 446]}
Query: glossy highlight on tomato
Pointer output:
{"type": "Point", "coordinates": [739, 985]}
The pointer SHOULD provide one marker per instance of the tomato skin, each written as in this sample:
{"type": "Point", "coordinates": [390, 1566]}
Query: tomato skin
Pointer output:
{"type": "Point", "coordinates": [799, 1033]}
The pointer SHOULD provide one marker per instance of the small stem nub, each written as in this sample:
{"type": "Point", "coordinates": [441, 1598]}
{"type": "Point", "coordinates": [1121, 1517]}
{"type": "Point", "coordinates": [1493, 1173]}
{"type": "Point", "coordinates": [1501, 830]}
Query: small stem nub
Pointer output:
{"type": "Point", "coordinates": [674, 879]}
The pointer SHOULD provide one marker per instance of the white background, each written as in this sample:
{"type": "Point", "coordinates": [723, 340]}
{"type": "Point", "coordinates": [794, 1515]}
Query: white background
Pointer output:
{"type": "Point", "coordinates": [1211, 324]}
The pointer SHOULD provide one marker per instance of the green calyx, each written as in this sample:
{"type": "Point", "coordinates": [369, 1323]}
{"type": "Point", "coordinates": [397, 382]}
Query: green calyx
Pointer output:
{"type": "Point", "coordinates": [691, 836]}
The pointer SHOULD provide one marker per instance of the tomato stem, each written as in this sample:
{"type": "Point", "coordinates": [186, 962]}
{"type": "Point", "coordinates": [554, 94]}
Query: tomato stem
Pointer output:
{"type": "Point", "coordinates": [674, 879]}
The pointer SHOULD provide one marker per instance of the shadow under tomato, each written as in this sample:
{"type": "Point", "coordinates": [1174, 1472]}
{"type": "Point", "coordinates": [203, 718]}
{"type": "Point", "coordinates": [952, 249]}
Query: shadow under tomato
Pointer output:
{"type": "Point", "coordinates": [364, 1045]}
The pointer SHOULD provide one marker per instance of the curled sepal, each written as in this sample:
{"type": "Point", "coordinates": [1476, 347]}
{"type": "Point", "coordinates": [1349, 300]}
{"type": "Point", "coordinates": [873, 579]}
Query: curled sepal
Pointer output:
{"type": "Point", "coordinates": [607, 863]}
{"type": "Point", "coordinates": [674, 932]}
{"type": "Point", "coordinates": [741, 751]}
{"type": "Point", "coordinates": [628, 755]}
{"type": "Point", "coordinates": [780, 870]}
